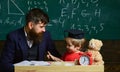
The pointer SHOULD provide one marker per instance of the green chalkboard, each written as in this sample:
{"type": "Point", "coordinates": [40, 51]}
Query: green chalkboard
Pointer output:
{"type": "Point", "coordinates": [97, 18]}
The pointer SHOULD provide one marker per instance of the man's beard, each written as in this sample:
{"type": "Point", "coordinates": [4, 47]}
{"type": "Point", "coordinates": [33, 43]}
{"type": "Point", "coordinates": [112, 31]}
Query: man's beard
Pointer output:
{"type": "Point", "coordinates": [35, 37]}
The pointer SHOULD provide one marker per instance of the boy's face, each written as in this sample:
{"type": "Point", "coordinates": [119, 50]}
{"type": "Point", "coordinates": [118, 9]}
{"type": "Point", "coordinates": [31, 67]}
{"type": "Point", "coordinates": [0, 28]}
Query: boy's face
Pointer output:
{"type": "Point", "coordinates": [72, 45]}
{"type": "Point", "coordinates": [72, 48]}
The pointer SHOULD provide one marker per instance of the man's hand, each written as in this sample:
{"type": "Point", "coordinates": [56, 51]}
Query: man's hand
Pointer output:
{"type": "Point", "coordinates": [50, 56]}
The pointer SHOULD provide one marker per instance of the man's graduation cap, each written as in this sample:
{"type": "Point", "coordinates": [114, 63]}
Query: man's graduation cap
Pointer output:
{"type": "Point", "coordinates": [74, 33]}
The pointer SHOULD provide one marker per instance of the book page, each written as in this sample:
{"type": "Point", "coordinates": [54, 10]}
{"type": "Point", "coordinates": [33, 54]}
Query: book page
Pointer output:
{"type": "Point", "coordinates": [32, 63]}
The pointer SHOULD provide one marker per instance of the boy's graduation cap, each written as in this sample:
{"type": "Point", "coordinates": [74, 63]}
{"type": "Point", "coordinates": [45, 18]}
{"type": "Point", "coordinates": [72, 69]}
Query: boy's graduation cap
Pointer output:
{"type": "Point", "coordinates": [74, 33]}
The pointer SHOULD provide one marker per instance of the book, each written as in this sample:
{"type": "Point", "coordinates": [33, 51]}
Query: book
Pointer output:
{"type": "Point", "coordinates": [32, 63]}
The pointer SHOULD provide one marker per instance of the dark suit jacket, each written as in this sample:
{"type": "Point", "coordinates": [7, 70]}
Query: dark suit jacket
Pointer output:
{"type": "Point", "coordinates": [15, 49]}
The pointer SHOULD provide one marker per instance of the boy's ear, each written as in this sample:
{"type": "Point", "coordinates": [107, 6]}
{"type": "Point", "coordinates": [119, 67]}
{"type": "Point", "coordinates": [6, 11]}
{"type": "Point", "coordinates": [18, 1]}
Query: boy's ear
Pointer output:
{"type": "Point", "coordinates": [77, 47]}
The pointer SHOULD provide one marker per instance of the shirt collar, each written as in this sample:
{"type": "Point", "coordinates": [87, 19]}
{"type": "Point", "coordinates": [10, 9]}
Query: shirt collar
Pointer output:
{"type": "Point", "coordinates": [25, 32]}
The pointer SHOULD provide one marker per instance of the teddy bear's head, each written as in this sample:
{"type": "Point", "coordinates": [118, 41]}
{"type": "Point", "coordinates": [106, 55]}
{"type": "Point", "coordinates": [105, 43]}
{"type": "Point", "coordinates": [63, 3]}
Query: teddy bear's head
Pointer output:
{"type": "Point", "coordinates": [95, 44]}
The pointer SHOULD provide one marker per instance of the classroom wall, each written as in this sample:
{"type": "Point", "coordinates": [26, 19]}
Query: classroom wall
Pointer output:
{"type": "Point", "coordinates": [110, 52]}
{"type": "Point", "coordinates": [97, 18]}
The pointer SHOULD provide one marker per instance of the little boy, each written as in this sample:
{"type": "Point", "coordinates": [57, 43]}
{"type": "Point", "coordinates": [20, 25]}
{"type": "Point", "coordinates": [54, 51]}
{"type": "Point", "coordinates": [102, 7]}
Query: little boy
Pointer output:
{"type": "Point", "coordinates": [74, 43]}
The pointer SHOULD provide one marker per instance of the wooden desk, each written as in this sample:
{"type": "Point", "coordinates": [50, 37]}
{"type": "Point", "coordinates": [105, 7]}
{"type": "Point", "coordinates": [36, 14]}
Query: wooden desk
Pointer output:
{"type": "Point", "coordinates": [60, 68]}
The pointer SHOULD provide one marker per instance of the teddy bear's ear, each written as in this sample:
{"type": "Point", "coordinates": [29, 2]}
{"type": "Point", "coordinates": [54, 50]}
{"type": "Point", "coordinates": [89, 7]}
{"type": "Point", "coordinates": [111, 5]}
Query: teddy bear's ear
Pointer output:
{"type": "Point", "coordinates": [92, 39]}
{"type": "Point", "coordinates": [100, 42]}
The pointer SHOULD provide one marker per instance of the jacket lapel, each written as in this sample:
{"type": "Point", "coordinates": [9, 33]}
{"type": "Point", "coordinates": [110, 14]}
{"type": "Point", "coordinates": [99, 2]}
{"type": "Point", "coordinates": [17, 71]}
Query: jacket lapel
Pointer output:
{"type": "Point", "coordinates": [23, 43]}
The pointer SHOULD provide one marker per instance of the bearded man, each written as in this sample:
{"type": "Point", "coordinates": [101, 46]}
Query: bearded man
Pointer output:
{"type": "Point", "coordinates": [31, 42]}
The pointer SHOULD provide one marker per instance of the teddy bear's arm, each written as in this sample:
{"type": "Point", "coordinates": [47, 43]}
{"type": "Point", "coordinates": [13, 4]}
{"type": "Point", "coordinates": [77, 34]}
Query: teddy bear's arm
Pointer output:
{"type": "Point", "coordinates": [98, 60]}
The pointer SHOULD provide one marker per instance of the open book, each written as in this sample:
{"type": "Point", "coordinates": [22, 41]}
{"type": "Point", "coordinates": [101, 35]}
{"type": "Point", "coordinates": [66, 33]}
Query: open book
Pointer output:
{"type": "Point", "coordinates": [32, 63]}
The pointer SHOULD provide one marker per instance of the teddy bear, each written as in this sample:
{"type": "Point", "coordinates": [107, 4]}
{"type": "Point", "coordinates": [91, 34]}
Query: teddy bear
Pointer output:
{"type": "Point", "coordinates": [94, 47]}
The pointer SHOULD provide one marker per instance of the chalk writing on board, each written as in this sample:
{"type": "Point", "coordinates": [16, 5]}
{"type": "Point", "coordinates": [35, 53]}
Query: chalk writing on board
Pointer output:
{"type": "Point", "coordinates": [37, 4]}
{"type": "Point", "coordinates": [12, 22]}
{"type": "Point", "coordinates": [72, 10]}
{"type": "Point", "coordinates": [89, 28]}
{"type": "Point", "coordinates": [11, 2]}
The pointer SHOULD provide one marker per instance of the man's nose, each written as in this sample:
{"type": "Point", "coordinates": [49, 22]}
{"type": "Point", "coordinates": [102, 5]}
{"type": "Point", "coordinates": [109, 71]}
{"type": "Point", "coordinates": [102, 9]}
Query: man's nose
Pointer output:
{"type": "Point", "coordinates": [43, 29]}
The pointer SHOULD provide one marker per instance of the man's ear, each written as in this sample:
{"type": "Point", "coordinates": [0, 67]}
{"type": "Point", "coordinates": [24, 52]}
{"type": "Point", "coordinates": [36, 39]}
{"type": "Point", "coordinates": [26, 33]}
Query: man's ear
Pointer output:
{"type": "Point", "coordinates": [30, 25]}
